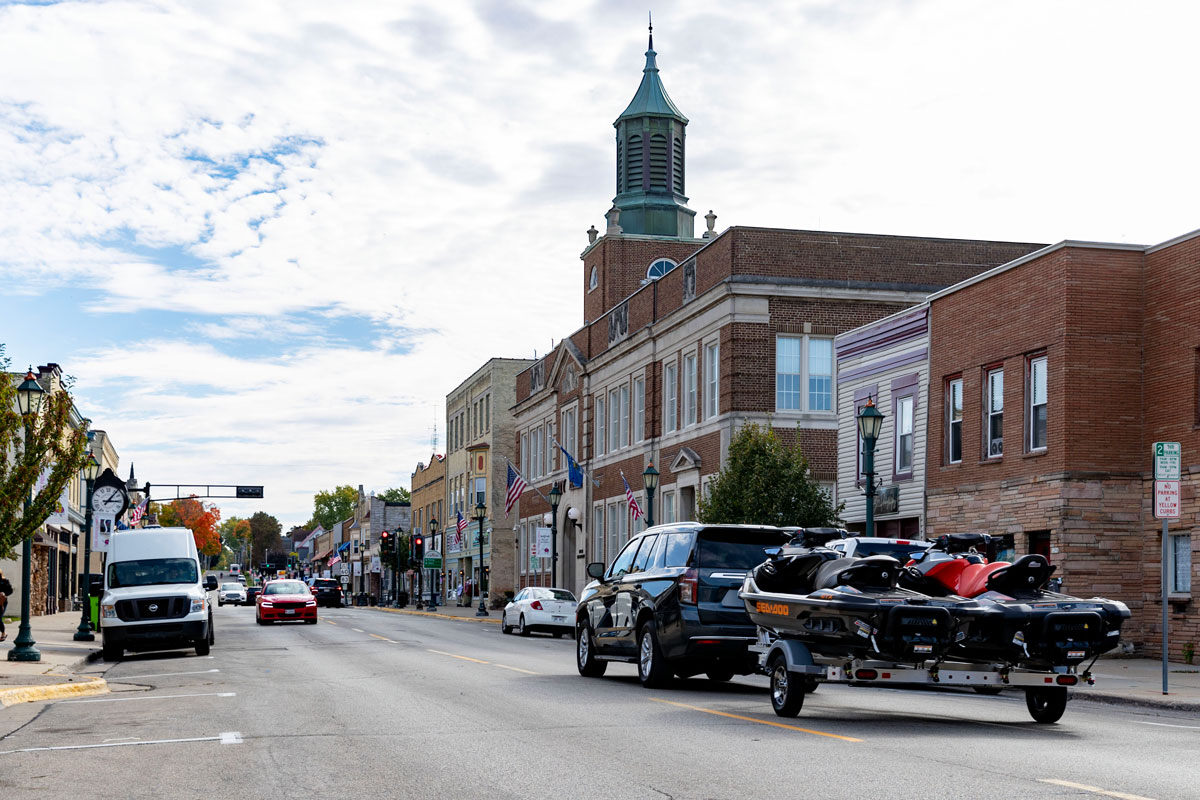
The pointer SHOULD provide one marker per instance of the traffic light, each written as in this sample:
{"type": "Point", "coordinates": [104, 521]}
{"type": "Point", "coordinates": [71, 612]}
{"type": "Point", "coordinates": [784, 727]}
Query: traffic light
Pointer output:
{"type": "Point", "coordinates": [418, 550]}
{"type": "Point", "coordinates": [385, 544]}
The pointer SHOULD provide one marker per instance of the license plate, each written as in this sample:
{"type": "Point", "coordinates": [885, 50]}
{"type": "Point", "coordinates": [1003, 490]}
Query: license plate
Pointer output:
{"type": "Point", "coordinates": [1076, 653]}
{"type": "Point", "coordinates": [558, 618]}
{"type": "Point", "coordinates": [289, 611]}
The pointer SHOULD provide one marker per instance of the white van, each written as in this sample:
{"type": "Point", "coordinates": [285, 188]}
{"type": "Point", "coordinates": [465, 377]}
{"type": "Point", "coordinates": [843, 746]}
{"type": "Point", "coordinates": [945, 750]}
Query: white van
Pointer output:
{"type": "Point", "coordinates": [235, 569]}
{"type": "Point", "coordinates": [155, 593]}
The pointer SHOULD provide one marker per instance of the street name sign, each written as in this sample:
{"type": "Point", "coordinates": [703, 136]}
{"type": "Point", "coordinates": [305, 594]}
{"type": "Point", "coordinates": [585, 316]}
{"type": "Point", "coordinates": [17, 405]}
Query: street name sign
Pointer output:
{"type": "Point", "coordinates": [433, 560]}
{"type": "Point", "coordinates": [249, 491]}
{"type": "Point", "coordinates": [1166, 500]}
{"type": "Point", "coordinates": [1167, 461]}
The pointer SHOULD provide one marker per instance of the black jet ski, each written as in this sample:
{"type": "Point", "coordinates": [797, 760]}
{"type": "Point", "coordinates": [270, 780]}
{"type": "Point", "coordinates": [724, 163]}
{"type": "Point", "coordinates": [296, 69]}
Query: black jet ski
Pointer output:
{"type": "Point", "coordinates": [852, 607]}
{"type": "Point", "coordinates": [1031, 626]}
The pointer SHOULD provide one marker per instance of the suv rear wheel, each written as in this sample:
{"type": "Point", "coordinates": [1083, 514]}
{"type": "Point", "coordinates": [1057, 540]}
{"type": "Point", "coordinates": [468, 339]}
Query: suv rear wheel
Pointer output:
{"type": "Point", "coordinates": [653, 670]}
{"type": "Point", "coordinates": [585, 653]}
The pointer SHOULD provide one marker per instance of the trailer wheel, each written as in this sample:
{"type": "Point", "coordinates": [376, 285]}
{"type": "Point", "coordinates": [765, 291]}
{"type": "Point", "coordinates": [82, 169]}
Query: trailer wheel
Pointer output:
{"type": "Point", "coordinates": [1046, 705]}
{"type": "Point", "coordinates": [787, 688]}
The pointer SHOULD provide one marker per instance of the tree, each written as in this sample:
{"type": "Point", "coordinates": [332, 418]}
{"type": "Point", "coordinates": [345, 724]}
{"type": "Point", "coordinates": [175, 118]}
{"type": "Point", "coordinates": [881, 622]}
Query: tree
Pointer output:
{"type": "Point", "coordinates": [398, 495]}
{"type": "Point", "coordinates": [765, 482]}
{"type": "Point", "coordinates": [330, 508]}
{"type": "Point", "coordinates": [200, 518]}
{"type": "Point", "coordinates": [55, 452]}
{"type": "Point", "coordinates": [264, 535]}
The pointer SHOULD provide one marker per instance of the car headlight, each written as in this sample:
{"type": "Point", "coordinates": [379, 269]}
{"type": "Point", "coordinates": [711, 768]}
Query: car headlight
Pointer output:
{"type": "Point", "coordinates": [310, 603]}
{"type": "Point", "coordinates": [108, 612]}
{"type": "Point", "coordinates": [197, 605]}
{"type": "Point", "coordinates": [267, 604]}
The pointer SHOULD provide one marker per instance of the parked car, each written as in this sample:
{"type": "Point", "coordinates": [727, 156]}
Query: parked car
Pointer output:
{"type": "Point", "coordinates": [232, 593]}
{"type": "Point", "coordinates": [327, 591]}
{"type": "Point", "coordinates": [899, 549]}
{"type": "Point", "coordinates": [286, 600]}
{"type": "Point", "coordinates": [539, 609]}
{"type": "Point", "coordinates": [669, 603]}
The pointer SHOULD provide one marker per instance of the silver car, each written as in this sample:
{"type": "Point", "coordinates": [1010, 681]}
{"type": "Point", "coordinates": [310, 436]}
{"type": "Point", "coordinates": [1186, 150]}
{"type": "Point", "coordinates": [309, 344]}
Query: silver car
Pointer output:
{"type": "Point", "coordinates": [232, 593]}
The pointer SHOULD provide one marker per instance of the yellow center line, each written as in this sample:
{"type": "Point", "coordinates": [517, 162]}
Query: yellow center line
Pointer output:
{"type": "Point", "coordinates": [331, 622]}
{"type": "Point", "coordinates": [753, 719]}
{"type": "Point", "coordinates": [1083, 787]}
{"type": "Point", "coordinates": [517, 669]}
{"type": "Point", "coordinates": [464, 658]}
{"type": "Point", "coordinates": [381, 638]}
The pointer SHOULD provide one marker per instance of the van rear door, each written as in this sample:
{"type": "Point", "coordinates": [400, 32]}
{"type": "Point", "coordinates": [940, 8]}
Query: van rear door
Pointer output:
{"type": "Point", "coordinates": [723, 557]}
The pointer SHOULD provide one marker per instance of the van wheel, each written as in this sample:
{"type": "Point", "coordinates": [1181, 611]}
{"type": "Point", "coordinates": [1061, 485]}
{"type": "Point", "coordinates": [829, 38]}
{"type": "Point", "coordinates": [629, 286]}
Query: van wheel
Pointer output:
{"type": "Point", "coordinates": [653, 670]}
{"type": "Point", "coordinates": [113, 652]}
{"type": "Point", "coordinates": [585, 654]}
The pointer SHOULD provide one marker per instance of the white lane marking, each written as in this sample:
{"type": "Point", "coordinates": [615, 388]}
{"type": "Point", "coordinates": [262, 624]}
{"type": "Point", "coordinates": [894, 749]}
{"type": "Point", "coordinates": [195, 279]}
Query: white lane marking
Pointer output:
{"type": "Point", "coordinates": [1168, 725]}
{"type": "Point", "coordinates": [221, 739]}
{"type": "Point", "coordinates": [122, 739]}
{"type": "Point", "coordinates": [153, 697]}
{"type": "Point", "coordinates": [231, 737]}
{"type": "Point", "coordinates": [165, 674]}
{"type": "Point", "coordinates": [516, 669]}
{"type": "Point", "coordinates": [1083, 787]}
{"type": "Point", "coordinates": [357, 630]}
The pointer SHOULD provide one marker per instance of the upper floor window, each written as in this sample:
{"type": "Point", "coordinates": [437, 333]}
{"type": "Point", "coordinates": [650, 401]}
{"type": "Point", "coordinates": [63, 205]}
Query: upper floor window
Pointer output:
{"type": "Point", "coordinates": [689, 389]}
{"type": "Point", "coordinates": [639, 409]}
{"type": "Point", "coordinates": [568, 432]}
{"type": "Point", "coordinates": [1036, 414]}
{"type": "Point", "coordinates": [601, 426]}
{"type": "Point", "coordinates": [670, 398]}
{"type": "Point", "coordinates": [593, 279]}
{"type": "Point", "coordinates": [659, 268]}
{"type": "Point", "coordinates": [803, 373]}
{"type": "Point", "coordinates": [994, 413]}
{"type": "Point", "coordinates": [954, 420]}
{"type": "Point", "coordinates": [904, 435]}
{"type": "Point", "coordinates": [712, 379]}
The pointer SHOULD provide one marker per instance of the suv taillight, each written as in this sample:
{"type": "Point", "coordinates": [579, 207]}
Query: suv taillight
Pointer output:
{"type": "Point", "coordinates": [689, 588]}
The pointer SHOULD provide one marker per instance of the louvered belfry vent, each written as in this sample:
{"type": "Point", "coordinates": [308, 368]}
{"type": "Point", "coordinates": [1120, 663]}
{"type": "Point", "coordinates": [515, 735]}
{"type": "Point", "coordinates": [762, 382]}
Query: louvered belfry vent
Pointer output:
{"type": "Point", "coordinates": [633, 179]}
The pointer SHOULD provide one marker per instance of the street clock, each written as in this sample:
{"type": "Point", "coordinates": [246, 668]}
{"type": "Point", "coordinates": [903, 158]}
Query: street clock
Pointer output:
{"type": "Point", "coordinates": [109, 497]}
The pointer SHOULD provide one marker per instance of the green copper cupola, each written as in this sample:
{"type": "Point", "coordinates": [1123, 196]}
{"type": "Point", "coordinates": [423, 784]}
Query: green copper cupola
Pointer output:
{"type": "Point", "coordinates": [650, 161]}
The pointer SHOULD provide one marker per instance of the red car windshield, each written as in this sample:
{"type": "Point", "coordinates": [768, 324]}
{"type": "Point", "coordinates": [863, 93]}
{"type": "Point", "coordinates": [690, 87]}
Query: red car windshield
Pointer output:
{"type": "Point", "coordinates": [286, 587]}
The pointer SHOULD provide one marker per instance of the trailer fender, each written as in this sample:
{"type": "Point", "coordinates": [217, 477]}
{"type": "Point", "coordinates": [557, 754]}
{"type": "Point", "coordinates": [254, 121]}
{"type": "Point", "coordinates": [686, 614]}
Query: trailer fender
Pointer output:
{"type": "Point", "coordinates": [797, 655]}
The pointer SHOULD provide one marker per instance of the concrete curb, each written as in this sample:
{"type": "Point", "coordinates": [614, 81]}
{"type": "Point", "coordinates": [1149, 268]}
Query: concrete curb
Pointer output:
{"type": "Point", "coordinates": [492, 620]}
{"type": "Point", "coordinates": [1164, 703]}
{"type": "Point", "coordinates": [54, 691]}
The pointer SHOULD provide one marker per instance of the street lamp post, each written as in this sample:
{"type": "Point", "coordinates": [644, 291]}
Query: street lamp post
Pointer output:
{"type": "Point", "coordinates": [481, 515]}
{"type": "Point", "coordinates": [869, 423]}
{"type": "Point", "coordinates": [419, 560]}
{"type": "Point", "coordinates": [650, 481]}
{"type": "Point", "coordinates": [29, 403]}
{"type": "Point", "coordinates": [91, 469]}
{"type": "Point", "coordinates": [555, 498]}
{"type": "Point", "coordinates": [433, 589]}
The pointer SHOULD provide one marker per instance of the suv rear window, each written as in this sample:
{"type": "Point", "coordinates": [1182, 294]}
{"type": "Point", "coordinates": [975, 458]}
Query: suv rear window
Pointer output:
{"type": "Point", "coordinates": [731, 548]}
{"type": "Point", "coordinates": [325, 583]}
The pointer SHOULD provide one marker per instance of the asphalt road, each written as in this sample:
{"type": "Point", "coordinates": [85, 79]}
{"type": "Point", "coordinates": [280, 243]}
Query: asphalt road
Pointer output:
{"type": "Point", "coordinates": [372, 704]}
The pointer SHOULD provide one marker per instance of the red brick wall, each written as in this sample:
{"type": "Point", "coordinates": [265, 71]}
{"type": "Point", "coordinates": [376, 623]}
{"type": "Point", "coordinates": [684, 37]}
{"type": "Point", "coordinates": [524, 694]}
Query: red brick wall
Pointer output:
{"type": "Point", "coordinates": [1172, 335]}
{"type": "Point", "coordinates": [621, 263]}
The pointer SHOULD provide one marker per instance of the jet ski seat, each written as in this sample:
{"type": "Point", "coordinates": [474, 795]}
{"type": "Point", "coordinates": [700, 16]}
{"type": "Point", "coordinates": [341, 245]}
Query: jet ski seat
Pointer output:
{"type": "Point", "coordinates": [792, 574]}
{"type": "Point", "coordinates": [872, 572]}
{"type": "Point", "coordinates": [1028, 574]}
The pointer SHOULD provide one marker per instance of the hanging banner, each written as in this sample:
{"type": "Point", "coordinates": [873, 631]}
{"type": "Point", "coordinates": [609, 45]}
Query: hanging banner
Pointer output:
{"type": "Point", "coordinates": [102, 530]}
{"type": "Point", "coordinates": [544, 544]}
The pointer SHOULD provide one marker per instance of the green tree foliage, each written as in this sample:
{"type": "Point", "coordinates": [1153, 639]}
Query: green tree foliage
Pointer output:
{"type": "Point", "coordinates": [264, 535]}
{"type": "Point", "coordinates": [765, 482]}
{"type": "Point", "coordinates": [397, 495]}
{"type": "Point", "coordinates": [53, 446]}
{"type": "Point", "coordinates": [332, 507]}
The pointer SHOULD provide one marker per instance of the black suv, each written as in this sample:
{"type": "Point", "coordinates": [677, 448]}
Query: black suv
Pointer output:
{"type": "Point", "coordinates": [669, 602]}
{"type": "Point", "coordinates": [327, 592]}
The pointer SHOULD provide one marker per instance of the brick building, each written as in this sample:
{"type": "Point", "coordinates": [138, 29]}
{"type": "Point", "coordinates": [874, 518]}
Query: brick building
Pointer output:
{"type": "Point", "coordinates": [685, 340]}
{"type": "Point", "coordinates": [428, 504]}
{"type": "Point", "coordinates": [1061, 369]}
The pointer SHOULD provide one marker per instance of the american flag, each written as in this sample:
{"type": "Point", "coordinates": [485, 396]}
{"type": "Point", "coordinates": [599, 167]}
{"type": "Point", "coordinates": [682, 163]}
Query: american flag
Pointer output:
{"type": "Point", "coordinates": [634, 508]}
{"type": "Point", "coordinates": [462, 526]}
{"type": "Point", "coordinates": [138, 512]}
{"type": "Point", "coordinates": [516, 485]}
{"type": "Point", "coordinates": [334, 560]}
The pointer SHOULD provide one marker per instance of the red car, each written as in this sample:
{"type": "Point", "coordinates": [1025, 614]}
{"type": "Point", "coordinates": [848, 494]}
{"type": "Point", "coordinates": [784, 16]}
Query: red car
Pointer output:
{"type": "Point", "coordinates": [286, 601]}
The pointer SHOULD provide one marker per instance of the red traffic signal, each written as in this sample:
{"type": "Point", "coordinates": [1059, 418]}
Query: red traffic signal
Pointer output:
{"type": "Point", "coordinates": [418, 542]}
{"type": "Point", "coordinates": [383, 535]}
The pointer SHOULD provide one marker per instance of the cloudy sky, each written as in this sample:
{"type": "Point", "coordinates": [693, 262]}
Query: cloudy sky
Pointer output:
{"type": "Point", "coordinates": [268, 237]}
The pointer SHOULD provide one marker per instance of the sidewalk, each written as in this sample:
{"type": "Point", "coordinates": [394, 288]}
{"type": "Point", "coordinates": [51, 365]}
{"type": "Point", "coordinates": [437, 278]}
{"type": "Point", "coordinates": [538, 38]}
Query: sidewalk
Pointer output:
{"type": "Point", "coordinates": [459, 613]}
{"type": "Point", "coordinates": [55, 675]}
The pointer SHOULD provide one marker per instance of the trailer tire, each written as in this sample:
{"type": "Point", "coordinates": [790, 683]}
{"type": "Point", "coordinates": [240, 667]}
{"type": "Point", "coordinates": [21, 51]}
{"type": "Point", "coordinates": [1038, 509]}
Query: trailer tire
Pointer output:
{"type": "Point", "coordinates": [787, 688]}
{"type": "Point", "coordinates": [1046, 704]}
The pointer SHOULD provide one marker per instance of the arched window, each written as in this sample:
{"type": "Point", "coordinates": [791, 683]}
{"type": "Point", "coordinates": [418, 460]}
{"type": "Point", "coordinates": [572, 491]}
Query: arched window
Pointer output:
{"type": "Point", "coordinates": [593, 279]}
{"type": "Point", "coordinates": [659, 268]}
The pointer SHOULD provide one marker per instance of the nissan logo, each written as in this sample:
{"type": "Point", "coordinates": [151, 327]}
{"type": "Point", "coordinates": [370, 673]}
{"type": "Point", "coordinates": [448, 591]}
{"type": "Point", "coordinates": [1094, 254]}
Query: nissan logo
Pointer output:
{"type": "Point", "coordinates": [153, 607]}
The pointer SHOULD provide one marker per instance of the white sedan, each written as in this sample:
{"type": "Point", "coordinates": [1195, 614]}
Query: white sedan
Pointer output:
{"type": "Point", "coordinates": [538, 609]}
{"type": "Point", "coordinates": [232, 593]}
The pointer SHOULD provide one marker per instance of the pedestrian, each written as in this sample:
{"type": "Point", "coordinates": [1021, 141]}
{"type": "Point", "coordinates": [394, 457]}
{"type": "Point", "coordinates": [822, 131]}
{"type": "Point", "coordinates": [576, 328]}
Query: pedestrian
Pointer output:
{"type": "Point", "coordinates": [5, 590]}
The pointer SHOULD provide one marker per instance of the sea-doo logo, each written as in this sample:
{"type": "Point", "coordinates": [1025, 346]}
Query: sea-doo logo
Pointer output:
{"type": "Point", "coordinates": [773, 608]}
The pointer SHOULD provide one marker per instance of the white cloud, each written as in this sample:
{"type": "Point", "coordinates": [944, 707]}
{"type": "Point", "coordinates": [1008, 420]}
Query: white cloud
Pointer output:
{"type": "Point", "coordinates": [432, 168]}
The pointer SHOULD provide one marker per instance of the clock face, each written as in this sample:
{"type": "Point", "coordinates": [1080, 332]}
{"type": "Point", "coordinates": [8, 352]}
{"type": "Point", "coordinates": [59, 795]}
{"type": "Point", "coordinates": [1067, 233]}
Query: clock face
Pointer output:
{"type": "Point", "coordinates": [108, 500]}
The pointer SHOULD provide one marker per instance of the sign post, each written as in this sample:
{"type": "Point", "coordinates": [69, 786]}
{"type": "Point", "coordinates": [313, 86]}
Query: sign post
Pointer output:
{"type": "Point", "coordinates": [1167, 495]}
